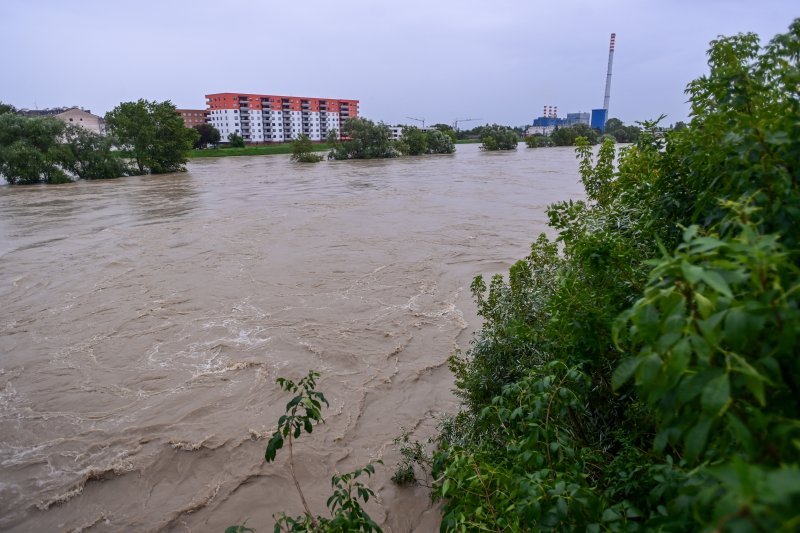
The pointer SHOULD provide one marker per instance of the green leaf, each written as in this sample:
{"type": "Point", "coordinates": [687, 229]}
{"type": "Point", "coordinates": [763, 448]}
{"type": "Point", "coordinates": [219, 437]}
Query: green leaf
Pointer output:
{"type": "Point", "coordinates": [445, 486]}
{"type": "Point", "coordinates": [716, 394]}
{"type": "Point", "coordinates": [714, 280]}
{"type": "Point", "coordinates": [610, 515]}
{"type": "Point", "coordinates": [624, 371]}
{"type": "Point", "coordinates": [691, 273]}
{"type": "Point", "coordinates": [696, 439]}
{"type": "Point", "coordinates": [274, 444]}
{"type": "Point", "coordinates": [648, 369]}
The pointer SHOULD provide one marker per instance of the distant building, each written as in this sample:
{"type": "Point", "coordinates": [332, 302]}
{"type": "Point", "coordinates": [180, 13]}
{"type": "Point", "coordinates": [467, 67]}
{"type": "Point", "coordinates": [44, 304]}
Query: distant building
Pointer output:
{"type": "Point", "coordinates": [599, 119]}
{"type": "Point", "coordinates": [192, 117]}
{"type": "Point", "coordinates": [577, 118]}
{"type": "Point", "coordinates": [84, 119]}
{"type": "Point", "coordinates": [545, 122]}
{"type": "Point", "coordinates": [397, 131]}
{"type": "Point", "coordinates": [70, 115]}
{"type": "Point", "coordinates": [540, 130]}
{"type": "Point", "coordinates": [269, 118]}
{"type": "Point", "coordinates": [549, 118]}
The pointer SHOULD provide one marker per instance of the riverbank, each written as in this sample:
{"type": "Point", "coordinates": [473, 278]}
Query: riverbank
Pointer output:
{"type": "Point", "coordinates": [273, 149]}
{"type": "Point", "coordinates": [266, 149]}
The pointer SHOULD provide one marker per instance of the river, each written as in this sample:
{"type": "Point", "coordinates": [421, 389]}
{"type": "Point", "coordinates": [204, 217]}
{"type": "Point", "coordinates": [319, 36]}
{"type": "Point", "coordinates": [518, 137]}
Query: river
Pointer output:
{"type": "Point", "coordinates": [144, 321]}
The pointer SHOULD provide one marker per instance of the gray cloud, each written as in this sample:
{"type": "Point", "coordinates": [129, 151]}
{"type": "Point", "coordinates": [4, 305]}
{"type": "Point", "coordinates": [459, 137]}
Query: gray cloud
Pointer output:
{"type": "Point", "coordinates": [439, 59]}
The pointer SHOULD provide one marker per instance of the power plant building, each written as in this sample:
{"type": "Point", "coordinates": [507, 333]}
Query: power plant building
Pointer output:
{"type": "Point", "coordinates": [577, 118]}
{"type": "Point", "coordinates": [599, 118]}
{"type": "Point", "coordinates": [265, 118]}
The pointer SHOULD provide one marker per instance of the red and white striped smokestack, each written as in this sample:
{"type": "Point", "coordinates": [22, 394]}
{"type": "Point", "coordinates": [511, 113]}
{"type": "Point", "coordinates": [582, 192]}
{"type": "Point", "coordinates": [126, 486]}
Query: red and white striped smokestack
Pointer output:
{"type": "Point", "coordinates": [608, 75]}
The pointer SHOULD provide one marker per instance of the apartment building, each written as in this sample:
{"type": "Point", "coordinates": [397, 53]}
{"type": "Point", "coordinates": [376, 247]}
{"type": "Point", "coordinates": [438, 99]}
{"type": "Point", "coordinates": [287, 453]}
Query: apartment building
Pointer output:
{"type": "Point", "coordinates": [192, 117]}
{"type": "Point", "coordinates": [265, 118]}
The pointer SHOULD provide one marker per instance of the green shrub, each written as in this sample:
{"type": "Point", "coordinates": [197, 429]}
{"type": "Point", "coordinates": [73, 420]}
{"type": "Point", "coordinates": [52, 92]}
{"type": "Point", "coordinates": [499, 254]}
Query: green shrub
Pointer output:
{"type": "Point", "coordinates": [496, 137]}
{"type": "Point", "coordinates": [640, 371]}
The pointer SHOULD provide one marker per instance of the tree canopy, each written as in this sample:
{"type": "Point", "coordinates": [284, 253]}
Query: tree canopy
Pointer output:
{"type": "Point", "coordinates": [88, 155]}
{"type": "Point", "coordinates": [30, 149]}
{"type": "Point", "coordinates": [207, 135]}
{"type": "Point", "coordinates": [621, 132]}
{"type": "Point", "coordinates": [496, 137]}
{"type": "Point", "coordinates": [569, 135]}
{"type": "Point", "coordinates": [363, 139]}
{"type": "Point", "coordinates": [303, 150]}
{"type": "Point", "coordinates": [153, 134]}
{"type": "Point", "coordinates": [416, 141]}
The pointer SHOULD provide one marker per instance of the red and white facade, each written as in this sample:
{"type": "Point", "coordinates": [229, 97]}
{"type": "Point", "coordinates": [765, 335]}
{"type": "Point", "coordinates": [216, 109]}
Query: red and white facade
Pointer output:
{"type": "Point", "coordinates": [264, 118]}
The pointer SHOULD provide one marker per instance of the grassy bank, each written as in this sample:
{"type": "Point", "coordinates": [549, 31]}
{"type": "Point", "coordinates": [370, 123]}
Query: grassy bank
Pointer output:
{"type": "Point", "coordinates": [267, 149]}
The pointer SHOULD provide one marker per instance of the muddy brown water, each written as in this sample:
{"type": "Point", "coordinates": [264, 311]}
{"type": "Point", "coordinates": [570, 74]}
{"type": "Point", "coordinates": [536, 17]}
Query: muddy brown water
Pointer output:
{"type": "Point", "coordinates": [145, 320]}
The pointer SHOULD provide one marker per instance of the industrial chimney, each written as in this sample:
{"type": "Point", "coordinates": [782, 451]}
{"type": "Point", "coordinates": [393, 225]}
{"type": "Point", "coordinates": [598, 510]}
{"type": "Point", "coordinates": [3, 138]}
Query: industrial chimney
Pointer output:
{"type": "Point", "coordinates": [608, 75]}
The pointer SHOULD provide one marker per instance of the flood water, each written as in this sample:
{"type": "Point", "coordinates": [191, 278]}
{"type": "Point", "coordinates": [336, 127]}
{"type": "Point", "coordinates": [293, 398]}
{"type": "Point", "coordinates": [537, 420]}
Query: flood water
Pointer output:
{"type": "Point", "coordinates": [144, 321]}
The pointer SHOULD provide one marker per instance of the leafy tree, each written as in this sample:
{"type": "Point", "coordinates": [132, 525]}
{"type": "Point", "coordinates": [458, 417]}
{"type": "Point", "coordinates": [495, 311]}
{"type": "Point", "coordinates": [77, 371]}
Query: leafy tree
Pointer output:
{"type": "Point", "coordinates": [332, 137]}
{"type": "Point", "coordinates": [536, 141]}
{"type": "Point", "coordinates": [30, 149]}
{"type": "Point", "coordinates": [640, 372]}
{"type": "Point", "coordinates": [303, 150]}
{"type": "Point", "coordinates": [446, 129]}
{"type": "Point", "coordinates": [89, 155]}
{"type": "Point", "coordinates": [569, 136]}
{"type": "Point", "coordinates": [208, 134]}
{"type": "Point", "coordinates": [414, 141]}
{"type": "Point", "coordinates": [496, 137]}
{"type": "Point", "coordinates": [153, 134]}
{"type": "Point", "coordinates": [235, 140]}
{"type": "Point", "coordinates": [440, 142]}
{"type": "Point", "coordinates": [621, 132]}
{"type": "Point", "coordinates": [564, 136]}
{"type": "Point", "coordinates": [678, 126]}
{"type": "Point", "coordinates": [363, 139]}
{"type": "Point", "coordinates": [7, 108]}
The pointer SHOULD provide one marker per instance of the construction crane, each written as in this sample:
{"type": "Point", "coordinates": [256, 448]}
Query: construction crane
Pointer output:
{"type": "Point", "coordinates": [419, 120]}
{"type": "Point", "coordinates": [455, 122]}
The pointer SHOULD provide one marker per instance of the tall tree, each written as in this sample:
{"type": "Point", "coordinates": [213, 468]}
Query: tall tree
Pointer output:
{"type": "Point", "coordinates": [153, 133]}
{"type": "Point", "coordinates": [89, 155]}
{"type": "Point", "coordinates": [30, 149]}
{"type": "Point", "coordinates": [208, 134]}
{"type": "Point", "coordinates": [414, 141]}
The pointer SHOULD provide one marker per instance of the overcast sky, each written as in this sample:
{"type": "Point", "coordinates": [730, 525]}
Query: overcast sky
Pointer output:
{"type": "Point", "coordinates": [496, 60]}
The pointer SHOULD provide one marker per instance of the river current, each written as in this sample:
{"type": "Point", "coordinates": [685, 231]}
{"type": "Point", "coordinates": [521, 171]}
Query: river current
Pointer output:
{"type": "Point", "coordinates": [144, 321]}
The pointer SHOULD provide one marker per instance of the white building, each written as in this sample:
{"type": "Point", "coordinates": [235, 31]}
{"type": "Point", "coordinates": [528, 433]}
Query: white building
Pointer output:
{"type": "Point", "coordinates": [539, 130]}
{"type": "Point", "coordinates": [262, 118]}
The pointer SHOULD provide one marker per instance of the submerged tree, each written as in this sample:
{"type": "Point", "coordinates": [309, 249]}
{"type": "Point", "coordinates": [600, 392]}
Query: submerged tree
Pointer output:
{"type": "Point", "coordinates": [496, 137]}
{"type": "Point", "coordinates": [363, 139]}
{"type": "Point", "coordinates": [31, 150]}
{"type": "Point", "coordinates": [89, 155]}
{"type": "Point", "coordinates": [152, 134]}
{"type": "Point", "coordinates": [303, 150]}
